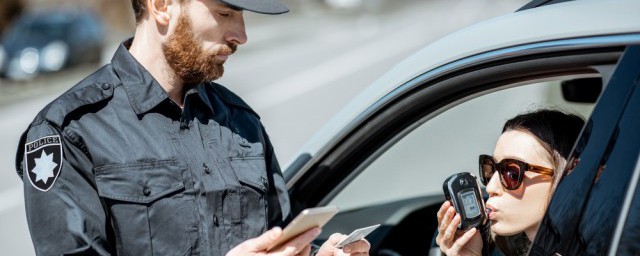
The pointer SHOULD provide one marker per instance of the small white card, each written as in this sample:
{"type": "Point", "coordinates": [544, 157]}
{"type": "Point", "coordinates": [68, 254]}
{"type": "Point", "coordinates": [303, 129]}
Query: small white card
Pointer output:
{"type": "Point", "coordinates": [356, 235]}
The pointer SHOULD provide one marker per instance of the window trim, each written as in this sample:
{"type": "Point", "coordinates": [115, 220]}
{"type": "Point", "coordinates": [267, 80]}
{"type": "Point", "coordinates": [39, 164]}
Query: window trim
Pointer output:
{"type": "Point", "coordinates": [333, 171]}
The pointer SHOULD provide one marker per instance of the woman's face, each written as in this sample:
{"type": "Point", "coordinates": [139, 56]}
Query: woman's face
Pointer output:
{"type": "Point", "coordinates": [519, 210]}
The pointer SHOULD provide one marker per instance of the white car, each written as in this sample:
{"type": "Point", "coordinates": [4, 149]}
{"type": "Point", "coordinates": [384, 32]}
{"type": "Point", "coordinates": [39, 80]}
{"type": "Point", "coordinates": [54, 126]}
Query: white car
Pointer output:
{"type": "Point", "coordinates": [384, 157]}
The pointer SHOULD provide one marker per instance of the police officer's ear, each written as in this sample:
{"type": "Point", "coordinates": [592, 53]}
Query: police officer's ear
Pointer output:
{"type": "Point", "coordinates": [160, 10]}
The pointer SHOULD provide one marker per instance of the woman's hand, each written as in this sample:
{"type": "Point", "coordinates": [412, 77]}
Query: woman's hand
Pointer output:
{"type": "Point", "coordinates": [453, 242]}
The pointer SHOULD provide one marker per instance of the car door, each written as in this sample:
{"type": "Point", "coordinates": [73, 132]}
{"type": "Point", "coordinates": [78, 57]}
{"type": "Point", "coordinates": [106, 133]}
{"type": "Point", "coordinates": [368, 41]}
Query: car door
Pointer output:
{"type": "Point", "coordinates": [368, 170]}
{"type": "Point", "coordinates": [587, 212]}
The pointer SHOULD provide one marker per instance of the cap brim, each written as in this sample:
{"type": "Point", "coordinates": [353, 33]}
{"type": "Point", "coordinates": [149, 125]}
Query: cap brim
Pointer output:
{"type": "Point", "coordinates": [259, 6]}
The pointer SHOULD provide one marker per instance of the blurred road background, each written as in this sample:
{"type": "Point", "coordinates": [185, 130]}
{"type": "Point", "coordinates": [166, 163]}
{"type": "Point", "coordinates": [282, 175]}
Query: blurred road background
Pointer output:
{"type": "Point", "coordinates": [297, 70]}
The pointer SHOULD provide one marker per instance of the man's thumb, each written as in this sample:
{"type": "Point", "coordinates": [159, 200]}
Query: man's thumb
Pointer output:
{"type": "Point", "coordinates": [265, 240]}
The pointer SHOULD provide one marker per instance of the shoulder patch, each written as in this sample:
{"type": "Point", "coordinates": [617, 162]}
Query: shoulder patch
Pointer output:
{"type": "Point", "coordinates": [43, 161]}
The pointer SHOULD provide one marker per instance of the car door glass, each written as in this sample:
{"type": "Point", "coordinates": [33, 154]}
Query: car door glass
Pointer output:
{"type": "Point", "coordinates": [631, 230]}
{"type": "Point", "coordinates": [450, 142]}
{"type": "Point", "coordinates": [583, 213]}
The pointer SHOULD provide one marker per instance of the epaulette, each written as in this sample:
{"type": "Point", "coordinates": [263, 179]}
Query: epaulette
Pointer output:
{"type": "Point", "coordinates": [231, 98]}
{"type": "Point", "coordinates": [87, 92]}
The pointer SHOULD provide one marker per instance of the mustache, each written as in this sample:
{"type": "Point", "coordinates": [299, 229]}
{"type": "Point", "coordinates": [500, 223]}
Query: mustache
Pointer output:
{"type": "Point", "coordinates": [226, 49]}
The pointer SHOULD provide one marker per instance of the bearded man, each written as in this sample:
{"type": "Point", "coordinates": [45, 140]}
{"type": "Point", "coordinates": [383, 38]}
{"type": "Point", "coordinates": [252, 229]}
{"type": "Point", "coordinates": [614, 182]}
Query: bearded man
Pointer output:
{"type": "Point", "coordinates": [148, 156]}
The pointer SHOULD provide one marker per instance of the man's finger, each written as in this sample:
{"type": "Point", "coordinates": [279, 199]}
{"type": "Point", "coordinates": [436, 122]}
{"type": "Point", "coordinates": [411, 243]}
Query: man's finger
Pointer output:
{"type": "Point", "coordinates": [305, 252]}
{"type": "Point", "coordinates": [336, 238]}
{"type": "Point", "coordinates": [265, 240]}
{"type": "Point", "coordinates": [360, 246]}
{"type": "Point", "coordinates": [298, 243]}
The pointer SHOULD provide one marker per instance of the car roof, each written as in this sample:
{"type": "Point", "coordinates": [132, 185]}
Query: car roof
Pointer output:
{"type": "Point", "coordinates": [546, 23]}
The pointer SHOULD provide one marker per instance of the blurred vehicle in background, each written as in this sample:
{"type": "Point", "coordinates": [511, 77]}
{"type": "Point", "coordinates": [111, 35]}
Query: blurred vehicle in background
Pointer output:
{"type": "Point", "coordinates": [49, 41]}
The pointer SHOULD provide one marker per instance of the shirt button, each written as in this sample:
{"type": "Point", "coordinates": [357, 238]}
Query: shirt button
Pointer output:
{"type": "Point", "coordinates": [215, 221]}
{"type": "Point", "coordinates": [106, 86]}
{"type": "Point", "coordinates": [146, 191]}
{"type": "Point", "coordinates": [206, 169]}
{"type": "Point", "coordinates": [265, 182]}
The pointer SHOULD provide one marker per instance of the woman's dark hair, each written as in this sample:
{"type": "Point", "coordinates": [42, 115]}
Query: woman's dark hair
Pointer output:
{"type": "Point", "coordinates": [557, 131]}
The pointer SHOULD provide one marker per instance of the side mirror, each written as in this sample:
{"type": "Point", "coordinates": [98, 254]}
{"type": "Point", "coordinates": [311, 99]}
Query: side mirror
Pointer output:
{"type": "Point", "coordinates": [582, 90]}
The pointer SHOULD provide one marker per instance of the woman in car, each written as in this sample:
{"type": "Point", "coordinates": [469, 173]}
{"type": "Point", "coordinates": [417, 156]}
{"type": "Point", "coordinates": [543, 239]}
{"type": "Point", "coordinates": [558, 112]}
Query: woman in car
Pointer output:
{"type": "Point", "coordinates": [527, 160]}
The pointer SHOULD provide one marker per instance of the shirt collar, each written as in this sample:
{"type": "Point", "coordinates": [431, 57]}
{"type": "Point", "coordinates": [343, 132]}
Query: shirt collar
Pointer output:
{"type": "Point", "coordinates": [143, 90]}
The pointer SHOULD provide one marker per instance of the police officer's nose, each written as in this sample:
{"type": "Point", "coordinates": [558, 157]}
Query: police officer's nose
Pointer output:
{"type": "Point", "coordinates": [237, 34]}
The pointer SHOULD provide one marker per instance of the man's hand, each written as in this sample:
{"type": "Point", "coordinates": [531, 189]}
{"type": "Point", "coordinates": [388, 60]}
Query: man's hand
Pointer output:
{"type": "Point", "coordinates": [359, 248]}
{"type": "Point", "coordinates": [299, 245]}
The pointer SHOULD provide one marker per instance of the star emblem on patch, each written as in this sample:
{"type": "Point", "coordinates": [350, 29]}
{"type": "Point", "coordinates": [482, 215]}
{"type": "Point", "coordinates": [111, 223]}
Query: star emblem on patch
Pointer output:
{"type": "Point", "coordinates": [43, 159]}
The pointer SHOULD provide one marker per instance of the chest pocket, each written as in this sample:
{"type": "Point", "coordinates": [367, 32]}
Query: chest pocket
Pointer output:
{"type": "Point", "coordinates": [247, 206]}
{"type": "Point", "coordinates": [251, 172]}
{"type": "Point", "coordinates": [149, 210]}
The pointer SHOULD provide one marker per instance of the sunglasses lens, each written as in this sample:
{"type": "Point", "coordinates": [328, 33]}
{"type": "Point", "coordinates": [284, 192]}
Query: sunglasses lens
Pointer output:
{"type": "Point", "coordinates": [486, 169]}
{"type": "Point", "coordinates": [510, 172]}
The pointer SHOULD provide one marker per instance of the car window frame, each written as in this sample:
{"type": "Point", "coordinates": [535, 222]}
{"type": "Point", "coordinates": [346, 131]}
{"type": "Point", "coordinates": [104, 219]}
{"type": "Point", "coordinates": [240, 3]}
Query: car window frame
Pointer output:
{"type": "Point", "coordinates": [310, 185]}
{"type": "Point", "coordinates": [303, 162]}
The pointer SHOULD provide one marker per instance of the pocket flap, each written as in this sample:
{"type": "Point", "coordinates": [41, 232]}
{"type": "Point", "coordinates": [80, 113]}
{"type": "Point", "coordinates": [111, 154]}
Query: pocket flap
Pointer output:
{"type": "Point", "coordinates": [139, 182]}
{"type": "Point", "coordinates": [251, 171]}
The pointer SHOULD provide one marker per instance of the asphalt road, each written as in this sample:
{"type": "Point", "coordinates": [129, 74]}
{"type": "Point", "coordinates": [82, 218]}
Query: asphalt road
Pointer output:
{"type": "Point", "coordinates": [297, 70]}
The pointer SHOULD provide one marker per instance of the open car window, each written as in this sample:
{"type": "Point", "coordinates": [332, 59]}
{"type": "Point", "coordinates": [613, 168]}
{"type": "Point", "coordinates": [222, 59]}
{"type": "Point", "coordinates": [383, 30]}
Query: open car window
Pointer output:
{"type": "Point", "coordinates": [448, 143]}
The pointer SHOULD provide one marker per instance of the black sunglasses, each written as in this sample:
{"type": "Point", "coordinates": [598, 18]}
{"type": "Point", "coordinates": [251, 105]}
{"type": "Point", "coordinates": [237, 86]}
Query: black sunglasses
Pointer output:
{"type": "Point", "coordinates": [511, 171]}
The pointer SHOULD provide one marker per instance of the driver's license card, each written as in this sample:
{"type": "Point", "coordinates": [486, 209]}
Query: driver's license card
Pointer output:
{"type": "Point", "coordinates": [356, 235]}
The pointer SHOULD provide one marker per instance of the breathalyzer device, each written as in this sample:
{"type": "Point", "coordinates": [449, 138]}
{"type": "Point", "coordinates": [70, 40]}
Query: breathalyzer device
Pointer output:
{"type": "Point", "coordinates": [463, 191]}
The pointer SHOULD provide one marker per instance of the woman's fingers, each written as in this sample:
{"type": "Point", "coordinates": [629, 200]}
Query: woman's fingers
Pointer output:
{"type": "Point", "coordinates": [462, 241]}
{"type": "Point", "coordinates": [443, 209]}
{"type": "Point", "coordinates": [442, 224]}
{"type": "Point", "coordinates": [449, 233]}
{"type": "Point", "coordinates": [446, 219]}
{"type": "Point", "coordinates": [441, 240]}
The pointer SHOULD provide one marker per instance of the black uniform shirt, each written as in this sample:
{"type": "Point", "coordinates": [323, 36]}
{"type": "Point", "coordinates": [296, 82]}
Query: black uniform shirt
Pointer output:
{"type": "Point", "coordinates": [114, 166]}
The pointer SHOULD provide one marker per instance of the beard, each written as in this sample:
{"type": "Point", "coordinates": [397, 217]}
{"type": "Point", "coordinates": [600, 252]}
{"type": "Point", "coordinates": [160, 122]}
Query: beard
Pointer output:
{"type": "Point", "coordinates": [189, 62]}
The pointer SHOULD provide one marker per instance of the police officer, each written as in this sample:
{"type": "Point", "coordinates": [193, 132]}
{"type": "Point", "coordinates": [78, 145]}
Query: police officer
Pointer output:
{"type": "Point", "coordinates": [148, 156]}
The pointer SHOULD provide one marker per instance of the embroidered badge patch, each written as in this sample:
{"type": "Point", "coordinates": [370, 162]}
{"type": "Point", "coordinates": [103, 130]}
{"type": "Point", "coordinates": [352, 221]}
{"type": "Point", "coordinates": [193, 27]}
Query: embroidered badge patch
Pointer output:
{"type": "Point", "coordinates": [43, 159]}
